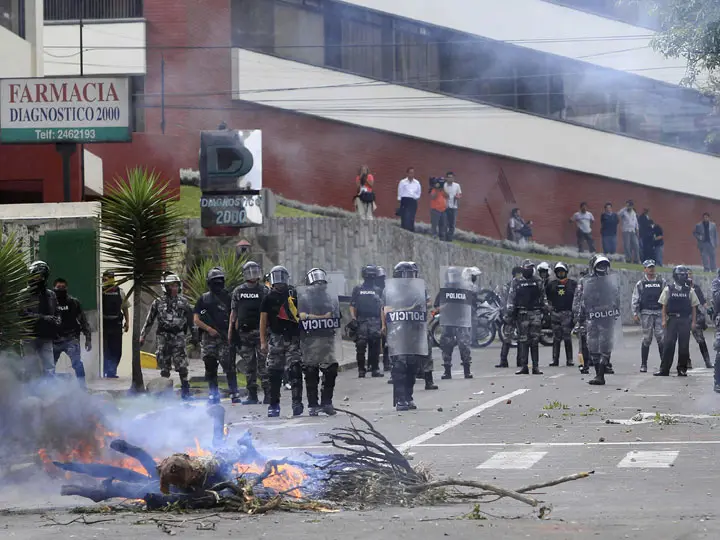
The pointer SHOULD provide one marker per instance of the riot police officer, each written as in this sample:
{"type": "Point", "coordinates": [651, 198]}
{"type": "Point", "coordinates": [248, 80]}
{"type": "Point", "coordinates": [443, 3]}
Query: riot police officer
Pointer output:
{"type": "Point", "coordinates": [597, 308]}
{"type": "Point", "coordinates": [72, 323]}
{"type": "Point", "coordinates": [404, 322]}
{"type": "Point", "coordinates": [648, 311]}
{"type": "Point", "coordinates": [560, 294]}
{"type": "Point", "coordinates": [42, 311]}
{"type": "Point", "coordinates": [700, 323]}
{"type": "Point", "coordinates": [543, 270]}
{"type": "Point", "coordinates": [319, 322]}
{"type": "Point", "coordinates": [245, 331]}
{"type": "Point", "coordinates": [280, 340]}
{"type": "Point", "coordinates": [212, 316]}
{"type": "Point", "coordinates": [175, 321]}
{"type": "Point", "coordinates": [506, 339]}
{"type": "Point", "coordinates": [526, 305]}
{"type": "Point", "coordinates": [455, 302]}
{"type": "Point", "coordinates": [380, 284]}
{"type": "Point", "coordinates": [715, 293]}
{"type": "Point", "coordinates": [679, 311]}
{"type": "Point", "coordinates": [366, 312]}
{"type": "Point", "coordinates": [116, 320]}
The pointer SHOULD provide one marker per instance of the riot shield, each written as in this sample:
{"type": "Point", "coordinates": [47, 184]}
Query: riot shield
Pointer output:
{"type": "Point", "coordinates": [456, 297]}
{"type": "Point", "coordinates": [601, 307]}
{"type": "Point", "coordinates": [406, 316]}
{"type": "Point", "coordinates": [319, 311]}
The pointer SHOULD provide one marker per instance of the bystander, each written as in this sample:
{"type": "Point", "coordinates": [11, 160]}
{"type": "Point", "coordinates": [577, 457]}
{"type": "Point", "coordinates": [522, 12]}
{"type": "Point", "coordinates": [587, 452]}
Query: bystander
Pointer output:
{"type": "Point", "coordinates": [365, 196]}
{"type": "Point", "coordinates": [584, 220]}
{"type": "Point", "coordinates": [629, 226]}
{"type": "Point", "coordinates": [645, 235]}
{"type": "Point", "coordinates": [454, 193]}
{"type": "Point", "coordinates": [608, 229]}
{"type": "Point", "coordinates": [438, 206]}
{"type": "Point", "coordinates": [518, 230]}
{"type": "Point", "coordinates": [409, 191]}
{"type": "Point", "coordinates": [706, 235]}
{"type": "Point", "coordinates": [658, 239]}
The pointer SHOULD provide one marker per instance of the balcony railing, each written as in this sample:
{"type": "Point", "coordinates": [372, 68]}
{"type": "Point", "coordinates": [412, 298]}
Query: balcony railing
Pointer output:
{"type": "Point", "coordinates": [72, 10]}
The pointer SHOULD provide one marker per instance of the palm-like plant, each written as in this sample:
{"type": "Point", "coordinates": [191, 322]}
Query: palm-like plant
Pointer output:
{"type": "Point", "coordinates": [195, 281]}
{"type": "Point", "coordinates": [13, 282]}
{"type": "Point", "coordinates": [141, 227]}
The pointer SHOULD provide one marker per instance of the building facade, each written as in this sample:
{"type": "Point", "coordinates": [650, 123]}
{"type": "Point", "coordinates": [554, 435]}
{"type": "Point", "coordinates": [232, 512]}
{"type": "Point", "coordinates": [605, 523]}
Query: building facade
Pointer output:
{"type": "Point", "coordinates": [533, 104]}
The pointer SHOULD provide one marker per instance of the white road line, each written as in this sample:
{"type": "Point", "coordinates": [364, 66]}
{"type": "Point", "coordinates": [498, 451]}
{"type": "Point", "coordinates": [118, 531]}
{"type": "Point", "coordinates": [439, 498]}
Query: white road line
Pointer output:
{"type": "Point", "coordinates": [648, 460]}
{"type": "Point", "coordinates": [557, 376]}
{"type": "Point", "coordinates": [512, 460]}
{"type": "Point", "coordinates": [565, 444]}
{"type": "Point", "coordinates": [459, 420]}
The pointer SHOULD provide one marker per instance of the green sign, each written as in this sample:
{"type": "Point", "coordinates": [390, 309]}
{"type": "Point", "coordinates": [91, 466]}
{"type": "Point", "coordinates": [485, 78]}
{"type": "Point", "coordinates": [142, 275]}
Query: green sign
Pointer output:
{"type": "Point", "coordinates": [77, 135]}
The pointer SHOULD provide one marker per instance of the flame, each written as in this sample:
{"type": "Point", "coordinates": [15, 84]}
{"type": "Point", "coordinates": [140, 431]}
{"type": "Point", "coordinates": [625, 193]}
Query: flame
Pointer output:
{"type": "Point", "coordinates": [287, 479]}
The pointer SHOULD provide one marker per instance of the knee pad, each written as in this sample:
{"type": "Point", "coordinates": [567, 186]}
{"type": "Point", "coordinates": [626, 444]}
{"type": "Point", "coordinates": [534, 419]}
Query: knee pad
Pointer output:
{"type": "Point", "coordinates": [332, 370]}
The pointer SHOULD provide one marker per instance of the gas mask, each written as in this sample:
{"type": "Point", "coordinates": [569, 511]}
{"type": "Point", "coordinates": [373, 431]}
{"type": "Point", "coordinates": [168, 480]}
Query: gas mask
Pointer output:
{"type": "Point", "coordinates": [282, 288]}
{"type": "Point", "coordinates": [61, 294]}
{"type": "Point", "coordinates": [527, 273]}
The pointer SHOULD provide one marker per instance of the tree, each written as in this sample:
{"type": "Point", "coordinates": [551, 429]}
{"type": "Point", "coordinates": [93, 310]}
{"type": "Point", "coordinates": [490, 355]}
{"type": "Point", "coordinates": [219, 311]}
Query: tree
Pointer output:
{"type": "Point", "coordinates": [141, 227]}
{"type": "Point", "coordinates": [13, 282]}
{"type": "Point", "coordinates": [196, 278]}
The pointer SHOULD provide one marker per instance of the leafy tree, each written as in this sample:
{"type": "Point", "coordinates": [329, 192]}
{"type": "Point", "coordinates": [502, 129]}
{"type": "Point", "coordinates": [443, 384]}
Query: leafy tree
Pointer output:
{"type": "Point", "coordinates": [13, 282]}
{"type": "Point", "coordinates": [141, 228]}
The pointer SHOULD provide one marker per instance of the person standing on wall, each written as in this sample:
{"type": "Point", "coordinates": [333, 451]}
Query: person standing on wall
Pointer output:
{"type": "Point", "coordinates": [629, 224]}
{"type": "Point", "coordinates": [706, 235]}
{"type": "Point", "coordinates": [519, 230]}
{"type": "Point", "coordinates": [438, 206]}
{"type": "Point", "coordinates": [454, 193]}
{"type": "Point", "coordinates": [365, 196]}
{"type": "Point", "coordinates": [658, 237]}
{"type": "Point", "coordinates": [409, 191]}
{"type": "Point", "coordinates": [116, 320]}
{"type": "Point", "coordinates": [584, 220]}
{"type": "Point", "coordinates": [608, 229]}
{"type": "Point", "coordinates": [647, 244]}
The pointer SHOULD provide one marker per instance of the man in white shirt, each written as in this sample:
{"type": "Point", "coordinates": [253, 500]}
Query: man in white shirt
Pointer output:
{"type": "Point", "coordinates": [629, 225]}
{"type": "Point", "coordinates": [409, 191]}
{"type": "Point", "coordinates": [584, 220]}
{"type": "Point", "coordinates": [452, 188]}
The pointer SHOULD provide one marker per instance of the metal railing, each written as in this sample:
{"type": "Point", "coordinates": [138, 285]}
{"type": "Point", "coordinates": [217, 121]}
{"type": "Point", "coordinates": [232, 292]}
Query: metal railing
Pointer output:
{"type": "Point", "coordinates": [72, 10]}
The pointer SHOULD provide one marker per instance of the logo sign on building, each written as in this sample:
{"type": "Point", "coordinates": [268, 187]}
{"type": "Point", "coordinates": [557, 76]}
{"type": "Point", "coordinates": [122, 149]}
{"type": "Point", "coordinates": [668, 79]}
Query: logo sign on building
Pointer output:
{"type": "Point", "coordinates": [68, 109]}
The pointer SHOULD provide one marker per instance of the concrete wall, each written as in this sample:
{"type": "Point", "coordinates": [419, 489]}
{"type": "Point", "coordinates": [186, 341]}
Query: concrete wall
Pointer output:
{"type": "Point", "coordinates": [347, 244]}
{"type": "Point", "coordinates": [16, 57]}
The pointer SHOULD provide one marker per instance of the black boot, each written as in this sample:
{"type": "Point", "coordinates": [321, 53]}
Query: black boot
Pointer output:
{"type": "Point", "coordinates": [504, 350]}
{"type": "Point", "coordinates": [599, 374]}
{"type": "Point", "coordinates": [296, 389]}
{"type": "Point", "coordinates": [328, 390]}
{"type": "Point", "coordinates": [569, 353]}
{"type": "Point", "coordinates": [644, 353]}
{"type": "Point", "coordinates": [555, 354]}
{"type": "Point", "coordinates": [429, 382]}
{"type": "Point", "coordinates": [447, 374]}
{"type": "Point", "coordinates": [252, 397]}
{"type": "Point", "coordinates": [609, 369]}
{"type": "Point", "coordinates": [276, 382]}
{"type": "Point", "coordinates": [705, 354]}
{"type": "Point", "coordinates": [466, 371]}
{"type": "Point", "coordinates": [233, 387]}
{"type": "Point", "coordinates": [312, 380]}
{"type": "Point", "coordinates": [535, 352]}
{"type": "Point", "coordinates": [185, 390]}
{"type": "Point", "coordinates": [523, 350]}
{"type": "Point", "coordinates": [360, 358]}
{"type": "Point", "coordinates": [409, 389]}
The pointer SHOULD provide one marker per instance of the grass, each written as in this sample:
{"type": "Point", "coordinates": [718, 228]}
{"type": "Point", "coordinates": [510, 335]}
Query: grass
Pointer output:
{"type": "Point", "coordinates": [555, 405]}
{"type": "Point", "coordinates": [189, 205]}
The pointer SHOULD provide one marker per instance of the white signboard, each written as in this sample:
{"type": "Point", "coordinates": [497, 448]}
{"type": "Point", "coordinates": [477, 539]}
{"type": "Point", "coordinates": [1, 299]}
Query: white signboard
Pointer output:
{"type": "Point", "coordinates": [68, 109]}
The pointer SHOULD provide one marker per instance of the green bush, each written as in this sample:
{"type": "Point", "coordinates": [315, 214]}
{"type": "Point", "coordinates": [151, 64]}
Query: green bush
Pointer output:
{"type": "Point", "coordinates": [195, 281]}
{"type": "Point", "coordinates": [13, 282]}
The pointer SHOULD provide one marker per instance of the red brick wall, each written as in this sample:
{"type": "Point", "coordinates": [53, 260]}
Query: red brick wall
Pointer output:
{"type": "Point", "coordinates": [41, 166]}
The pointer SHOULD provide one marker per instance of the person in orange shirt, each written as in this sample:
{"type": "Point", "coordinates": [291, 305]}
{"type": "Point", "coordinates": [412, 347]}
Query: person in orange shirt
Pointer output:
{"type": "Point", "coordinates": [438, 205]}
{"type": "Point", "coordinates": [365, 197]}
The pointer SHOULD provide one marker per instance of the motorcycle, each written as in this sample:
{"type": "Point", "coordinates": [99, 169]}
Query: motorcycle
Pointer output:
{"type": "Point", "coordinates": [488, 314]}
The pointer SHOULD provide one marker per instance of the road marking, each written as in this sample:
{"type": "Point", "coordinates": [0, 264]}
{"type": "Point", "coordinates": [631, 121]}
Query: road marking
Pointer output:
{"type": "Point", "coordinates": [557, 376]}
{"type": "Point", "coordinates": [648, 460]}
{"type": "Point", "coordinates": [459, 420]}
{"type": "Point", "coordinates": [564, 444]}
{"type": "Point", "coordinates": [647, 418]}
{"type": "Point", "coordinates": [512, 460]}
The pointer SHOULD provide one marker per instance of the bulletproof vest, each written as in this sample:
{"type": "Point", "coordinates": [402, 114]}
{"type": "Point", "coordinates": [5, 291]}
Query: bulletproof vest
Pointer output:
{"type": "Point", "coordinates": [560, 295]}
{"type": "Point", "coordinates": [249, 297]}
{"type": "Point", "coordinates": [650, 292]}
{"type": "Point", "coordinates": [172, 316]}
{"type": "Point", "coordinates": [679, 300]}
{"type": "Point", "coordinates": [528, 293]}
{"type": "Point", "coordinates": [217, 311]}
{"type": "Point", "coordinates": [367, 303]}
{"type": "Point", "coordinates": [69, 325]}
{"type": "Point", "coordinates": [112, 305]}
{"type": "Point", "coordinates": [45, 329]}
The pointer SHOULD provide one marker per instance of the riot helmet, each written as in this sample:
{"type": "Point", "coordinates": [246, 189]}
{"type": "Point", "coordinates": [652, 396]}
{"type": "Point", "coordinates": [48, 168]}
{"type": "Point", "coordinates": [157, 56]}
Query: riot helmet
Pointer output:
{"type": "Point", "coordinates": [380, 279]}
{"type": "Point", "coordinates": [216, 279]}
{"type": "Point", "coordinates": [472, 274]}
{"type": "Point", "coordinates": [369, 271]}
{"type": "Point", "coordinates": [543, 270]}
{"type": "Point", "coordinates": [517, 271]}
{"type": "Point", "coordinates": [39, 274]}
{"type": "Point", "coordinates": [415, 267]}
{"type": "Point", "coordinates": [404, 269]}
{"type": "Point", "coordinates": [528, 268]}
{"type": "Point", "coordinates": [453, 275]}
{"type": "Point", "coordinates": [168, 279]}
{"type": "Point", "coordinates": [601, 266]}
{"type": "Point", "coordinates": [252, 271]}
{"type": "Point", "coordinates": [316, 275]}
{"type": "Point", "coordinates": [279, 276]}
{"type": "Point", "coordinates": [561, 270]}
{"type": "Point", "coordinates": [681, 274]}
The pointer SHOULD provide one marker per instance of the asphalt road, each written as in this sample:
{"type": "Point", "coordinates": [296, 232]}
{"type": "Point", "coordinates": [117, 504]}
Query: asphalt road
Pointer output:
{"type": "Point", "coordinates": [653, 479]}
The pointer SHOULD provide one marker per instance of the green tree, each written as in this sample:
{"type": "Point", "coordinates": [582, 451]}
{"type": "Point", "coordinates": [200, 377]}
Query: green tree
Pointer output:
{"type": "Point", "coordinates": [195, 281]}
{"type": "Point", "coordinates": [13, 282]}
{"type": "Point", "coordinates": [141, 228]}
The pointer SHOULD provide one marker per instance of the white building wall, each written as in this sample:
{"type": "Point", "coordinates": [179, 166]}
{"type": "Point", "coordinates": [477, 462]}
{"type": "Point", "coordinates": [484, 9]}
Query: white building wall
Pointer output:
{"type": "Point", "coordinates": [405, 111]}
{"type": "Point", "coordinates": [545, 27]}
{"type": "Point", "coordinates": [16, 55]}
{"type": "Point", "coordinates": [109, 48]}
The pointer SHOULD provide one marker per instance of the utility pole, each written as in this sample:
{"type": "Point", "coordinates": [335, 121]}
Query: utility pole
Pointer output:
{"type": "Point", "coordinates": [82, 74]}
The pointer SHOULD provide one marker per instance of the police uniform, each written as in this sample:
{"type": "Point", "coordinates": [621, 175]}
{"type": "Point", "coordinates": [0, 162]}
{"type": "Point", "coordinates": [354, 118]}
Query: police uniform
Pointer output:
{"type": "Point", "coordinates": [646, 306]}
{"type": "Point", "coordinates": [246, 301]}
{"type": "Point", "coordinates": [113, 301]}
{"type": "Point", "coordinates": [72, 323]}
{"type": "Point", "coordinates": [525, 306]}
{"type": "Point", "coordinates": [505, 348]}
{"type": "Point", "coordinates": [452, 335]}
{"type": "Point", "coordinates": [174, 318]}
{"type": "Point", "coordinates": [715, 293]}
{"type": "Point", "coordinates": [679, 300]}
{"type": "Point", "coordinates": [560, 295]}
{"type": "Point", "coordinates": [700, 326]}
{"type": "Point", "coordinates": [367, 302]}
{"type": "Point", "coordinates": [42, 309]}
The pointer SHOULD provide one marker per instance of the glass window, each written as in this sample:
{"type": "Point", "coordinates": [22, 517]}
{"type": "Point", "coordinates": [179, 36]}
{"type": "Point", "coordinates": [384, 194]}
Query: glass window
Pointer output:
{"type": "Point", "coordinates": [11, 15]}
{"type": "Point", "coordinates": [361, 49]}
{"type": "Point", "coordinates": [299, 32]}
{"type": "Point", "coordinates": [637, 13]}
{"type": "Point", "coordinates": [417, 60]}
{"type": "Point", "coordinates": [253, 24]}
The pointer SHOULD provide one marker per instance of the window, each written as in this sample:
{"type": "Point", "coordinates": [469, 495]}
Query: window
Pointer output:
{"type": "Point", "coordinates": [299, 31]}
{"type": "Point", "coordinates": [137, 87]}
{"type": "Point", "coordinates": [12, 16]}
{"type": "Point", "coordinates": [362, 45]}
{"type": "Point", "coordinates": [417, 58]}
{"type": "Point", "coordinates": [69, 10]}
{"type": "Point", "coordinates": [638, 13]}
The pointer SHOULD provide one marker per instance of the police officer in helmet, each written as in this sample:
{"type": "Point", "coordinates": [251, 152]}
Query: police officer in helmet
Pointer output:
{"type": "Point", "coordinates": [560, 293]}
{"type": "Point", "coordinates": [700, 323]}
{"type": "Point", "coordinates": [715, 299]}
{"type": "Point", "coordinates": [212, 316]}
{"type": "Point", "coordinates": [366, 313]}
{"type": "Point", "coordinates": [679, 312]}
{"type": "Point", "coordinates": [647, 310]}
{"type": "Point", "coordinates": [380, 284]}
{"type": "Point", "coordinates": [245, 331]}
{"type": "Point", "coordinates": [505, 348]}
{"type": "Point", "coordinates": [42, 311]}
{"type": "Point", "coordinates": [455, 302]}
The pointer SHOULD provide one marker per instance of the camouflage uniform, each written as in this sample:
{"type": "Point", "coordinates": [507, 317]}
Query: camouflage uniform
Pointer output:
{"type": "Point", "coordinates": [701, 325]}
{"type": "Point", "coordinates": [251, 360]}
{"type": "Point", "coordinates": [174, 316]}
{"type": "Point", "coordinates": [715, 302]}
{"type": "Point", "coordinates": [600, 333]}
{"type": "Point", "coordinates": [452, 336]}
{"type": "Point", "coordinates": [246, 301]}
{"type": "Point", "coordinates": [525, 305]}
{"type": "Point", "coordinates": [646, 307]}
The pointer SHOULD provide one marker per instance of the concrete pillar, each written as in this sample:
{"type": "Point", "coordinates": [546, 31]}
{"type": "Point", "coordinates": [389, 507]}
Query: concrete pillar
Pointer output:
{"type": "Point", "coordinates": [34, 25]}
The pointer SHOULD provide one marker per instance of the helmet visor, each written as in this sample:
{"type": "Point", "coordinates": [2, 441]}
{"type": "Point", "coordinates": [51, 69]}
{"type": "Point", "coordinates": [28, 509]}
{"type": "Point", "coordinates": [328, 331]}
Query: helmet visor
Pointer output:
{"type": "Point", "coordinates": [252, 272]}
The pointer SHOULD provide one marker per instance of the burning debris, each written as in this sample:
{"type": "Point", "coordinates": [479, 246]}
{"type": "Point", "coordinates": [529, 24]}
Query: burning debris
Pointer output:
{"type": "Point", "coordinates": [369, 470]}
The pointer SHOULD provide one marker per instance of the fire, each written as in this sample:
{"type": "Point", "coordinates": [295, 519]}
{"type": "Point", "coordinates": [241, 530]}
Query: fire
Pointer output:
{"type": "Point", "coordinates": [286, 479]}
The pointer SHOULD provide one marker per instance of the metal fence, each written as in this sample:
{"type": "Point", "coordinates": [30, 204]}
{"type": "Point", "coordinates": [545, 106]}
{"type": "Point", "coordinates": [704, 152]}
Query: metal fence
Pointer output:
{"type": "Point", "coordinates": [70, 10]}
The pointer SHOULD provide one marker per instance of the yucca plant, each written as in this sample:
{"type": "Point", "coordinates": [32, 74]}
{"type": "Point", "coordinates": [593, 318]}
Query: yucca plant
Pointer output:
{"type": "Point", "coordinates": [13, 282]}
{"type": "Point", "coordinates": [195, 280]}
{"type": "Point", "coordinates": [141, 227]}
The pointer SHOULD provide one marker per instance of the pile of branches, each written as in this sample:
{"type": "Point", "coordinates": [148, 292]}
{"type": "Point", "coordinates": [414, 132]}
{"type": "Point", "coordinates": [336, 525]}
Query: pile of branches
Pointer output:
{"type": "Point", "coordinates": [372, 471]}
